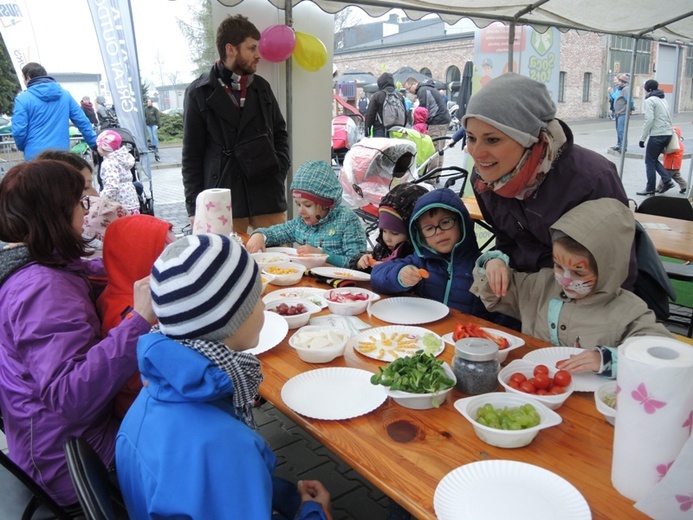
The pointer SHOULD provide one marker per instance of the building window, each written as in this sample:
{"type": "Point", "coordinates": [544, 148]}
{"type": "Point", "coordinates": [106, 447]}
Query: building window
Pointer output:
{"type": "Point", "coordinates": [689, 62]}
{"type": "Point", "coordinates": [621, 52]}
{"type": "Point", "coordinates": [561, 86]}
{"type": "Point", "coordinates": [586, 81]}
{"type": "Point", "coordinates": [426, 72]}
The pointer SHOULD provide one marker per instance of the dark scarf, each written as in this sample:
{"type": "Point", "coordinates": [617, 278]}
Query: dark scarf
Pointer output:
{"type": "Point", "coordinates": [234, 84]}
{"type": "Point", "coordinates": [87, 105]}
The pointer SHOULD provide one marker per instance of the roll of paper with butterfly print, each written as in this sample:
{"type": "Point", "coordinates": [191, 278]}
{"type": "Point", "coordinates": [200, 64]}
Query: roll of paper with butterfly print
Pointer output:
{"type": "Point", "coordinates": [654, 418]}
{"type": "Point", "coordinates": [213, 212]}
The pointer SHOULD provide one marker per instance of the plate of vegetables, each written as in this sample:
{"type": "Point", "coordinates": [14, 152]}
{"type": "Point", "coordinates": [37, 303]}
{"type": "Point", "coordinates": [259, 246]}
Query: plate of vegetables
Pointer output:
{"type": "Point", "coordinates": [396, 341]}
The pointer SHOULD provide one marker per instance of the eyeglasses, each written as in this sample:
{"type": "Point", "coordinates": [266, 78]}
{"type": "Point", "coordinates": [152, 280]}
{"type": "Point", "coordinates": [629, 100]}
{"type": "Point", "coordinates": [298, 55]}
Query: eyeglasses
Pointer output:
{"type": "Point", "coordinates": [85, 202]}
{"type": "Point", "coordinates": [443, 225]}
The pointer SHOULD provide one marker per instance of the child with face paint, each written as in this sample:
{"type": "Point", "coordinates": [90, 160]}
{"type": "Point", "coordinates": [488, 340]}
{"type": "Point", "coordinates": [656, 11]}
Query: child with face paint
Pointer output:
{"type": "Point", "coordinates": [322, 224]}
{"type": "Point", "coordinates": [578, 302]}
{"type": "Point", "coordinates": [394, 213]}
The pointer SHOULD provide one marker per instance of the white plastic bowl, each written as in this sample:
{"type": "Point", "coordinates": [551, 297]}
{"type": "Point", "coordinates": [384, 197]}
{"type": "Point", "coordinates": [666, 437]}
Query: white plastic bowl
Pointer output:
{"type": "Point", "coordinates": [286, 279]}
{"type": "Point", "coordinates": [527, 368]}
{"type": "Point", "coordinates": [266, 279]}
{"type": "Point", "coordinates": [310, 260]}
{"type": "Point", "coordinates": [349, 308]}
{"type": "Point", "coordinates": [265, 259]}
{"type": "Point", "coordinates": [469, 407]}
{"type": "Point", "coordinates": [423, 401]}
{"type": "Point", "coordinates": [296, 320]}
{"type": "Point", "coordinates": [606, 410]}
{"type": "Point", "coordinates": [320, 353]}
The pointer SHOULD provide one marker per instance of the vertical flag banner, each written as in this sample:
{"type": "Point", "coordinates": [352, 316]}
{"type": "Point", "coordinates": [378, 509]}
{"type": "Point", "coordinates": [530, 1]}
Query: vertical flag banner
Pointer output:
{"type": "Point", "coordinates": [18, 34]}
{"type": "Point", "coordinates": [116, 34]}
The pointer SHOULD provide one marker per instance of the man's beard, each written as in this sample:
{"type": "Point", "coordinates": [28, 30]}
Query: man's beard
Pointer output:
{"type": "Point", "coordinates": [243, 67]}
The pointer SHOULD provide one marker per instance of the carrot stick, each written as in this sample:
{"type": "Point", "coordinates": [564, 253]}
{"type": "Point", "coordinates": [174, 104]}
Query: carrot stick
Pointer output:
{"type": "Point", "coordinates": [423, 273]}
{"type": "Point", "coordinates": [372, 261]}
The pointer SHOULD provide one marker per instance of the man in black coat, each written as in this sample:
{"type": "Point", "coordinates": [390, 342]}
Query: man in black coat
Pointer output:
{"type": "Point", "coordinates": [234, 135]}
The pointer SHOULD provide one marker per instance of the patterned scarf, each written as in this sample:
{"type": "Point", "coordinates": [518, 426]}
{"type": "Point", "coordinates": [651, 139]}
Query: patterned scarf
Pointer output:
{"type": "Point", "coordinates": [243, 369]}
{"type": "Point", "coordinates": [239, 84]}
{"type": "Point", "coordinates": [524, 180]}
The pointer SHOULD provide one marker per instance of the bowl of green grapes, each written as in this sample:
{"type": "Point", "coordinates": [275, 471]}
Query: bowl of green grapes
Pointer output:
{"type": "Point", "coordinates": [506, 420]}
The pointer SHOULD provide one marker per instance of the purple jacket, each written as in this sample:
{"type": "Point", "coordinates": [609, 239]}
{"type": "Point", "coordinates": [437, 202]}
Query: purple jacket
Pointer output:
{"type": "Point", "coordinates": [522, 226]}
{"type": "Point", "coordinates": [57, 376]}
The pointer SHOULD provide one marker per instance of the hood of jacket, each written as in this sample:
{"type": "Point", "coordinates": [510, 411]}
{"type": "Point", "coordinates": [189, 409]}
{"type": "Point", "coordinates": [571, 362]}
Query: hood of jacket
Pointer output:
{"type": "Point", "coordinates": [447, 199]}
{"type": "Point", "coordinates": [420, 114]}
{"type": "Point", "coordinates": [427, 83]}
{"type": "Point", "coordinates": [655, 93]}
{"type": "Point", "coordinates": [317, 177]}
{"type": "Point", "coordinates": [45, 88]}
{"type": "Point", "coordinates": [123, 157]}
{"type": "Point", "coordinates": [172, 372]}
{"type": "Point", "coordinates": [606, 228]}
{"type": "Point", "coordinates": [12, 258]}
{"type": "Point", "coordinates": [386, 80]}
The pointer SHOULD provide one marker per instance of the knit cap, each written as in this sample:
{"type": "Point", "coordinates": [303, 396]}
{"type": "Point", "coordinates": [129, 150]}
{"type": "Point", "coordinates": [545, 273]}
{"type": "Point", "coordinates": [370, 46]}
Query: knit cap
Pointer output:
{"type": "Point", "coordinates": [651, 84]}
{"type": "Point", "coordinates": [516, 105]}
{"type": "Point", "coordinates": [204, 287]}
{"type": "Point", "coordinates": [623, 78]}
{"type": "Point", "coordinates": [109, 140]}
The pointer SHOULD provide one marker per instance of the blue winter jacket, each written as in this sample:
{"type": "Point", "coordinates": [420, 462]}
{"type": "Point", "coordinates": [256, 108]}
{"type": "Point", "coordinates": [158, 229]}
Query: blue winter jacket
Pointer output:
{"type": "Point", "coordinates": [41, 118]}
{"type": "Point", "coordinates": [450, 277]}
{"type": "Point", "coordinates": [182, 452]}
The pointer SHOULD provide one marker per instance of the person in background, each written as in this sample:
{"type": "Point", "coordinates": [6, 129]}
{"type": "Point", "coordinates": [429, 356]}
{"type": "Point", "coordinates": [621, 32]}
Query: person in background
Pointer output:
{"type": "Point", "coordinates": [58, 374]}
{"type": "Point", "coordinates": [230, 108]}
{"type": "Point", "coordinates": [438, 114]}
{"type": "Point", "coordinates": [378, 122]}
{"type": "Point", "coordinates": [152, 118]}
{"type": "Point", "coordinates": [115, 171]}
{"type": "Point", "coordinates": [579, 301]}
{"type": "Point", "coordinates": [89, 111]}
{"type": "Point", "coordinates": [42, 115]}
{"type": "Point", "coordinates": [362, 103]}
{"type": "Point", "coordinates": [672, 162]}
{"type": "Point", "coordinates": [103, 115]}
{"type": "Point", "coordinates": [187, 447]}
{"type": "Point", "coordinates": [622, 101]}
{"type": "Point", "coordinates": [323, 223]}
{"type": "Point", "coordinates": [658, 127]}
{"type": "Point", "coordinates": [420, 118]}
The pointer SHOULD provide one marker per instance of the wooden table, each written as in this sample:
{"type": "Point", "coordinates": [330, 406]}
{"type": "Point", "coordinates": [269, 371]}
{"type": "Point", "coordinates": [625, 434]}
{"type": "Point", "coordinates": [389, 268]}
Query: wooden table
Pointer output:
{"type": "Point", "coordinates": [405, 453]}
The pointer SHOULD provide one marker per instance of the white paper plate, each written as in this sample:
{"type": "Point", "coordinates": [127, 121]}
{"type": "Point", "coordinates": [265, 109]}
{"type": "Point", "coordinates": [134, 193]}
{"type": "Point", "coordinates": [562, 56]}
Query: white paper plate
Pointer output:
{"type": "Point", "coordinates": [313, 294]}
{"type": "Point", "coordinates": [334, 393]}
{"type": "Point", "coordinates": [384, 351]}
{"type": "Point", "coordinates": [584, 381]}
{"type": "Point", "coordinates": [507, 489]}
{"type": "Point", "coordinates": [286, 250]}
{"type": "Point", "coordinates": [341, 273]}
{"type": "Point", "coordinates": [409, 311]}
{"type": "Point", "coordinates": [514, 341]}
{"type": "Point", "coordinates": [273, 332]}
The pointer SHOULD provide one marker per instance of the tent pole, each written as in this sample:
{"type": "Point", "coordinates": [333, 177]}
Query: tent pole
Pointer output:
{"type": "Point", "coordinates": [511, 46]}
{"type": "Point", "coordinates": [289, 21]}
{"type": "Point", "coordinates": [624, 144]}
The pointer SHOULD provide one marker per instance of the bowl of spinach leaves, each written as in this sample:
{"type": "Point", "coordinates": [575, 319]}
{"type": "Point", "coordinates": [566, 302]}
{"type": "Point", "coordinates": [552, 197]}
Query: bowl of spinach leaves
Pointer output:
{"type": "Point", "coordinates": [418, 382]}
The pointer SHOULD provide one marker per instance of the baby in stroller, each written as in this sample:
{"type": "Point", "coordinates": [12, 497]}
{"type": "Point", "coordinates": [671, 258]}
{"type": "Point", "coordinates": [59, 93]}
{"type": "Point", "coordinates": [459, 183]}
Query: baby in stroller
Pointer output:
{"type": "Point", "coordinates": [115, 171]}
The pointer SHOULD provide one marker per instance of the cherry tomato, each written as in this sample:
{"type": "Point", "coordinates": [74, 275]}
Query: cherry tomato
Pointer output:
{"type": "Point", "coordinates": [528, 388]}
{"type": "Point", "coordinates": [542, 391]}
{"type": "Point", "coordinates": [541, 369]}
{"type": "Point", "coordinates": [555, 390]}
{"type": "Point", "coordinates": [518, 378]}
{"type": "Point", "coordinates": [562, 378]}
{"type": "Point", "coordinates": [541, 381]}
{"type": "Point", "coordinates": [514, 384]}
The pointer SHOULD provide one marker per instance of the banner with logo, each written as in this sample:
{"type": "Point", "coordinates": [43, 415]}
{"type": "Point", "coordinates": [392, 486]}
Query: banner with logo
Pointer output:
{"type": "Point", "coordinates": [18, 34]}
{"type": "Point", "coordinates": [116, 35]}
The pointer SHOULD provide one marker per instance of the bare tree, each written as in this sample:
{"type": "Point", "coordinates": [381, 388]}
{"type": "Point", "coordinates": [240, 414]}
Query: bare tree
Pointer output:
{"type": "Point", "coordinates": [347, 17]}
{"type": "Point", "coordinates": [198, 30]}
{"type": "Point", "coordinates": [173, 77]}
{"type": "Point", "coordinates": [160, 65]}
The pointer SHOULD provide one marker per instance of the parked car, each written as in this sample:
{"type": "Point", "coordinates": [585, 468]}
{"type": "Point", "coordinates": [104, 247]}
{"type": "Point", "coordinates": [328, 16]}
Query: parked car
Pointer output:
{"type": "Point", "coordinates": [173, 112]}
{"type": "Point", "coordinates": [5, 128]}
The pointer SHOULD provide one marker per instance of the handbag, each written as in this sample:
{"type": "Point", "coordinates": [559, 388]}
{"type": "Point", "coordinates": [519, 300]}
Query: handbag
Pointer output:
{"type": "Point", "coordinates": [673, 144]}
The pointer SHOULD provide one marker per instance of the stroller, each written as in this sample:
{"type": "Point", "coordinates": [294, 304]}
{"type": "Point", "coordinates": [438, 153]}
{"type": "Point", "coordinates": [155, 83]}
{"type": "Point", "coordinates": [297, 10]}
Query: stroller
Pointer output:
{"type": "Point", "coordinates": [146, 200]}
{"type": "Point", "coordinates": [345, 133]}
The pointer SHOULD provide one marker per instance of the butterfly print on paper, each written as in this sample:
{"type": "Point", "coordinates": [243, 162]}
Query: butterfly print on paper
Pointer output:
{"type": "Point", "coordinates": [649, 404]}
{"type": "Point", "coordinates": [662, 470]}
{"type": "Point", "coordinates": [685, 501]}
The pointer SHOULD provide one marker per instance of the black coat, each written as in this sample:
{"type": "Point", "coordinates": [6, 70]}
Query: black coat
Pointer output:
{"type": "Point", "coordinates": [213, 126]}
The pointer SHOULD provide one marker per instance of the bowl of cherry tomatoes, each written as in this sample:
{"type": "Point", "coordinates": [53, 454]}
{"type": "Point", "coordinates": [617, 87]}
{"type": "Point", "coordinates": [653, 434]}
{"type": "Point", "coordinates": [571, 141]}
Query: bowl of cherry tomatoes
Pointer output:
{"type": "Point", "coordinates": [547, 385]}
{"type": "Point", "coordinates": [349, 301]}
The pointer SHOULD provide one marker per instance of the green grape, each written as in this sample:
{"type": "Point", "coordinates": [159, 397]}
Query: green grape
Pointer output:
{"type": "Point", "coordinates": [515, 418]}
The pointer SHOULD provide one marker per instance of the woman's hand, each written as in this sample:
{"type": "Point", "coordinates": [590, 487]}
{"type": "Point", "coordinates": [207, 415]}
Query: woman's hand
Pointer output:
{"type": "Point", "coordinates": [498, 276]}
{"type": "Point", "coordinates": [142, 300]}
{"type": "Point", "coordinates": [305, 249]}
{"type": "Point", "coordinates": [255, 243]}
{"type": "Point", "coordinates": [410, 275]}
{"type": "Point", "coordinates": [315, 491]}
{"type": "Point", "coordinates": [365, 261]}
{"type": "Point", "coordinates": [582, 362]}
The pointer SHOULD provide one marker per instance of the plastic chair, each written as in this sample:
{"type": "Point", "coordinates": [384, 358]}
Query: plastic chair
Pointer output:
{"type": "Point", "coordinates": [99, 496]}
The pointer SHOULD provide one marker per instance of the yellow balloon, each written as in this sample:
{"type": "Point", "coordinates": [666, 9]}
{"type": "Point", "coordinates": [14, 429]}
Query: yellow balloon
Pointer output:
{"type": "Point", "coordinates": [310, 53]}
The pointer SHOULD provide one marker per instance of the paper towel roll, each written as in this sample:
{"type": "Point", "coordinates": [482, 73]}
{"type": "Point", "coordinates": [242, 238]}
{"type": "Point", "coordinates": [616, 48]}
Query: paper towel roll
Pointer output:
{"type": "Point", "coordinates": [213, 212]}
{"type": "Point", "coordinates": [655, 402]}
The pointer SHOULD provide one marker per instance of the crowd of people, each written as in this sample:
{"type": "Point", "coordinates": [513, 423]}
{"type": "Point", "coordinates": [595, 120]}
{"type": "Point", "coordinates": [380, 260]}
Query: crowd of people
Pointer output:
{"type": "Point", "coordinates": [143, 352]}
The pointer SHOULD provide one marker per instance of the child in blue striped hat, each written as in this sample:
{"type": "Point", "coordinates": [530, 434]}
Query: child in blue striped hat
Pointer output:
{"type": "Point", "coordinates": [187, 447]}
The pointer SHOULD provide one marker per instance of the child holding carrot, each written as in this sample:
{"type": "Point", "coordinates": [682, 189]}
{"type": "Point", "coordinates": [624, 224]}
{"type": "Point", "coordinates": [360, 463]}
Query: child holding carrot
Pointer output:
{"type": "Point", "coordinates": [394, 213]}
{"type": "Point", "coordinates": [445, 249]}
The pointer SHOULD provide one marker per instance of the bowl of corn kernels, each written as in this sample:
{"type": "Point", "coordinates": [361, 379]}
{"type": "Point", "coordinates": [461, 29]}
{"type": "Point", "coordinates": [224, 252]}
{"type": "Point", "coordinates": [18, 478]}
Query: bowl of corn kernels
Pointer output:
{"type": "Point", "coordinates": [285, 273]}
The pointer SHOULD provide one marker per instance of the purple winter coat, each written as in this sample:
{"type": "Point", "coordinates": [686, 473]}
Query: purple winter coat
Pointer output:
{"type": "Point", "coordinates": [57, 376]}
{"type": "Point", "coordinates": [522, 226]}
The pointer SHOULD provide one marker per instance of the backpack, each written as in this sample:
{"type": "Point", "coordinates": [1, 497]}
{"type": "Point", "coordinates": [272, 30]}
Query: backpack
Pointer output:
{"type": "Point", "coordinates": [393, 110]}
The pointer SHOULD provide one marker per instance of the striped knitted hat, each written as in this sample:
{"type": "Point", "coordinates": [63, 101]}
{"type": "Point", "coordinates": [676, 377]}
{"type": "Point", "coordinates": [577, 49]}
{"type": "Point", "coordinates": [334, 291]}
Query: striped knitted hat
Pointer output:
{"type": "Point", "coordinates": [204, 287]}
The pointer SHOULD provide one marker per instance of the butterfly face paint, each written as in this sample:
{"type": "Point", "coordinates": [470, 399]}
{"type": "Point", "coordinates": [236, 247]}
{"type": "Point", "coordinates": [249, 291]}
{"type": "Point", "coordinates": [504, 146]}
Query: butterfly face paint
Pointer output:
{"type": "Point", "coordinates": [573, 273]}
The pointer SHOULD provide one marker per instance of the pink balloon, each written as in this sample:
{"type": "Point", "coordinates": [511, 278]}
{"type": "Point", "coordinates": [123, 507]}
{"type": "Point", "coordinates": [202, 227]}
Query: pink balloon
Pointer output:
{"type": "Point", "coordinates": [277, 42]}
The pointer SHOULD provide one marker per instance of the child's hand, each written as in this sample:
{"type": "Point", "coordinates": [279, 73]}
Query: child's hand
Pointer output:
{"type": "Point", "coordinates": [410, 275]}
{"type": "Point", "coordinates": [498, 276]}
{"type": "Point", "coordinates": [582, 362]}
{"type": "Point", "coordinates": [315, 491]}
{"type": "Point", "coordinates": [142, 300]}
{"type": "Point", "coordinates": [255, 243]}
{"type": "Point", "coordinates": [306, 249]}
{"type": "Point", "coordinates": [366, 261]}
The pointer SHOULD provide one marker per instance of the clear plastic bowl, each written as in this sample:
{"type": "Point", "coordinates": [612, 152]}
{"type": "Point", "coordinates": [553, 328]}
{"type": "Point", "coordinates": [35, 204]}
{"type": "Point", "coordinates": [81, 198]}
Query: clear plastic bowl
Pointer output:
{"type": "Point", "coordinates": [321, 354]}
{"type": "Point", "coordinates": [527, 368]}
